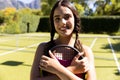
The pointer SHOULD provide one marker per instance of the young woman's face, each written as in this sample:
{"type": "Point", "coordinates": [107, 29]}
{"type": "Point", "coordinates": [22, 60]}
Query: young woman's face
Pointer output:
{"type": "Point", "coordinates": [63, 21]}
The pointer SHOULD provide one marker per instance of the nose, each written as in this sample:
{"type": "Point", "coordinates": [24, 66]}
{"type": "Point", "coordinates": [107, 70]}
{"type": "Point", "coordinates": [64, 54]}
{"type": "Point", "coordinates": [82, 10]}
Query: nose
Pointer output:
{"type": "Point", "coordinates": [63, 21]}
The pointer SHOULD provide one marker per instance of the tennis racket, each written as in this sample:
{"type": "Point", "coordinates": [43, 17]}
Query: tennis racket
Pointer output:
{"type": "Point", "coordinates": [65, 54]}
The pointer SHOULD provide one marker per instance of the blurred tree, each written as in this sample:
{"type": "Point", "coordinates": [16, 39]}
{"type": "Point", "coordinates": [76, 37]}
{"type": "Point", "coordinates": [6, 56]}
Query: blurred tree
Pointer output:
{"type": "Point", "coordinates": [9, 11]}
{"type": "Point", "coordinates": [46, 6]}
{"type": "Point", "coordinates": [101, 7]}
{"type": "Point", "coordinates": [79, 8]}
{"type": "Point", "coordinates": [77, 1]}
{"type": "Point", "coordinates": [115, 7]}
{"type": "Point", "coordinates": [107, 7]}
{"type": "Point", "coordinates": [82, 6]}
{"type": "Point", "coordinates": [2, 18]}
{"type": "Point", "coordinates": [8, 14]}
{"type": "Point", "coordinates": [99, 4]}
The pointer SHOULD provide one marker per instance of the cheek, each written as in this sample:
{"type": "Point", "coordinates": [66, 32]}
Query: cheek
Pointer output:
{"type": "Point", "coordinates": [72, 22]}
{"type": "Point", "coordinates": [55, 24]}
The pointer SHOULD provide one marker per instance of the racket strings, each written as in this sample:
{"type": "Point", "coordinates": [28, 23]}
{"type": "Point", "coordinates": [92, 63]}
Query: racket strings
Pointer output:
{"type": "Point", "coordinates": [64, 53]}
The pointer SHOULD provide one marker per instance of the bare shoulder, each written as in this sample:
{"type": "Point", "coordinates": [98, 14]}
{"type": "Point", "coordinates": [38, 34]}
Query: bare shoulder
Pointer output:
{"type": "Point", "coordinates": [88, 51]}
{"type": "Point", "coordinates": [86, 48]}
{"type": "Point", "coordinates": [40, 49]}
{"type": "Point", "coordinates": [42, 45]}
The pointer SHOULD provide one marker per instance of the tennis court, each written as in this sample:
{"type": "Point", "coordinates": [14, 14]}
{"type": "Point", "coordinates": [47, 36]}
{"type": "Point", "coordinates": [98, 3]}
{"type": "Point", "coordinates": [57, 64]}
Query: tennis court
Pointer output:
{"type": "Point", "coordinates": [17, 53]}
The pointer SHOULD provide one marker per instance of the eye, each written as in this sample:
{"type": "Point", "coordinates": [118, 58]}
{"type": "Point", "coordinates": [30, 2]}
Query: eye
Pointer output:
{"type": "Point", "coordinates": [57, 19]}
{"type": "Point", "coordinates": [67, 16]}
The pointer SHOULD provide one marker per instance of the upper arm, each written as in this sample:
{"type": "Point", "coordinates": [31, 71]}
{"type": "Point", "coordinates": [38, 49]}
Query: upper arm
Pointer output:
{"type": "Point", "coordinates": [35, 70]}
{"type": "Point", "coordinates": [91, 74]}
{"type": "Point", "coordinates": [89, 54]}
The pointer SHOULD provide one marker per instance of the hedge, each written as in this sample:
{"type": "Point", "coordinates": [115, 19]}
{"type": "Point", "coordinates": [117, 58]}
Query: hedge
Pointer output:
{"type": "Point", "coordinates": [100, 24]}
{"type": "Point", "coordinates": [44, 25]}
{"type": "Point", "coordinates": [29, 21]}
{"type": "Point", "coordinates": [108, 24]}
{"type": "Point", "coordinates": [19, 23]}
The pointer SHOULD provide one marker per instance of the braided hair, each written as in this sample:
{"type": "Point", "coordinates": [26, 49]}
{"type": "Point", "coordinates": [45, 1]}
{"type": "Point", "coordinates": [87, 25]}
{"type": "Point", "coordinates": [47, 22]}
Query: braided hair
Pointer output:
{"type": "Point", "coordinates": [77, 22]}
{"type": "Point", "coordinates": [76, 30]}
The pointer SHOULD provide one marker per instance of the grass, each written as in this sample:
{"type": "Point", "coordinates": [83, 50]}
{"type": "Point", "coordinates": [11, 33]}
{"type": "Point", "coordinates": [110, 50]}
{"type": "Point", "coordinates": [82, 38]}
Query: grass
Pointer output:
{"type": "Point", "coordinates": [17, 64]}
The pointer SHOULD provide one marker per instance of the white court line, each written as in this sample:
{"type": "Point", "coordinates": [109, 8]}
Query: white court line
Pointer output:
{"type": "Point", "coordinates": [93, 42]}
{"type": "Point", "coordinates": [113, 52]}
{"type": "Point", "coordinates": [19, 49]}
{"type": "Point", "coordinates": [115, 58]}
{"type": "Point", "coordinates": [91, 46]}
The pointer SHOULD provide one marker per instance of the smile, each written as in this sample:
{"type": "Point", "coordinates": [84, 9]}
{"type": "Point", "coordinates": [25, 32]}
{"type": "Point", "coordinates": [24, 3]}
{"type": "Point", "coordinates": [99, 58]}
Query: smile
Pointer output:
{"type": "Point", "coordinates": [64, 28]}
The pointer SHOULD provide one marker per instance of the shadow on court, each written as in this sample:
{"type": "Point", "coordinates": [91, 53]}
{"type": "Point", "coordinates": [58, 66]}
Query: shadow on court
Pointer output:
{"type": "Point", "coordinates": [116, 46]}
{"type": "Point", "coordinates": [14, 63]}
{"type": "Point", "coordinates": [117, 72]}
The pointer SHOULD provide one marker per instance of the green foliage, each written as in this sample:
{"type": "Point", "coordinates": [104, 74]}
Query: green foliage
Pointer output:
{"type": "Point", "coordinates": [44, 25]}
{"type": "Point", "coordinates": [12, 28]}
{"type": "Point", "coordinates": [108, 8]}
{"type": "Point", "coordinates": [9, 14]}
{"type": "Point", "coordinates": [37, 12]}
{"type": "Point", "coordinates": [46, 6]}
{"type": "Point", "coordinates": [9, 21]}
{"type": "Point", "coordinates": [25, 11]}
{"type": "Point", "coordinates": [77, 1]}
{"type": "Point", "coordinates": [79, 8]}
{"type": "Point", "coordinates": [51, 2]}
{"type": "Point", "coordinates": [103, 24]}
{"type": "Point", "coordinates": [1, 18]}
{"type": "Point", "coordinates": [45, 9]}
{"type": "Point", "coordinates": [16, 21]}
{"type": "Point", "coordinates": [112, 9]}
{"type": "Point", "coordinates": [30, 19]}
{"type": "Point", "coordinates": [104, 7]}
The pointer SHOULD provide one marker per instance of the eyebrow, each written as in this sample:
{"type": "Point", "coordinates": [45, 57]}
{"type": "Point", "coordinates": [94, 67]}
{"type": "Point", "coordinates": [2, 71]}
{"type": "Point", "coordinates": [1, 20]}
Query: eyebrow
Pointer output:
{"type": "Point", "coordinates": [57, 16]}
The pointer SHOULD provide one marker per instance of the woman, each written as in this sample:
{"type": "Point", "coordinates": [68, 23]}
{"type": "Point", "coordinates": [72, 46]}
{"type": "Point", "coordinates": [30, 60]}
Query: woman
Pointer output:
{"type": "Point", "coordinates": [65, 21]}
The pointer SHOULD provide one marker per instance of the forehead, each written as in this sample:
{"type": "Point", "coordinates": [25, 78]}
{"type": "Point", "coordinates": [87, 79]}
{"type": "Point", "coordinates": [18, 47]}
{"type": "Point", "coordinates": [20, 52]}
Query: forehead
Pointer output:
{"type": "Point", "coordinates": [61, 10]}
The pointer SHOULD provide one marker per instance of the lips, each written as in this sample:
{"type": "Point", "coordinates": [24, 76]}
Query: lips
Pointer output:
{"type": "Point", "coordinates": [64, 28]}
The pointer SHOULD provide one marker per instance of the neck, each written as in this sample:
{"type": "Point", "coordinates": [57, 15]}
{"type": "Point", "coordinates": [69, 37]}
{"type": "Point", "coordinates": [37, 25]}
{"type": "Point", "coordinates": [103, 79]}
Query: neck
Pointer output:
{"type": "Point", "coordinates": [65, 40]}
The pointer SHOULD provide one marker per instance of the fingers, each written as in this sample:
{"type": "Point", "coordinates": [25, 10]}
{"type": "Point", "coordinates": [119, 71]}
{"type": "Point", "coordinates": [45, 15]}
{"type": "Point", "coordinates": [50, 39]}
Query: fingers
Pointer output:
{"type": "Point", "coordinates": [51, 55]}
{"type": "Point", "coordinates": [45, 60]}
{"type": "Point", "coordinates": [78, 56]}
{"type": "Point", "coordinates": [85, 64]}
{"type": "Point", "coordinates": [43, 63]}
{"type": "Point", "coordinates": [84, 61]}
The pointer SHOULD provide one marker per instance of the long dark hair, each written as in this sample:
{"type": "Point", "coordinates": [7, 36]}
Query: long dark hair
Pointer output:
{"type": "Point", "coordinates": [77, 22]}
{"type": "Point", "coordinates": [76, 30]}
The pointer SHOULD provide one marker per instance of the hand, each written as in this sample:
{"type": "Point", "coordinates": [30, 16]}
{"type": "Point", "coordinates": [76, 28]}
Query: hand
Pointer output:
{"type": "Point", "coordinates": [49, 64]}
{"type": "Point", "coordinates": [79, 66]}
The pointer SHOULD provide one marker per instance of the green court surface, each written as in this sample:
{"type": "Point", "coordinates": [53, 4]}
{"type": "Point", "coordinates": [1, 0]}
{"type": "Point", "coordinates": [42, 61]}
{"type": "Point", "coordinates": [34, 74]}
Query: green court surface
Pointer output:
{"type": "Point", "coordinates": [17, 54]}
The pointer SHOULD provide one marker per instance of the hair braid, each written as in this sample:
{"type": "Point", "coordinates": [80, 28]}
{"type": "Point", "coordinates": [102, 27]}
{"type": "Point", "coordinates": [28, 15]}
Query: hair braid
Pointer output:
{"type": "Point", "coordinates": [78, 43]}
